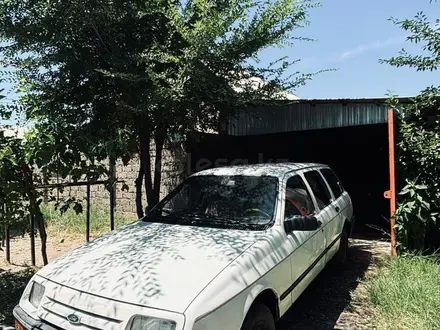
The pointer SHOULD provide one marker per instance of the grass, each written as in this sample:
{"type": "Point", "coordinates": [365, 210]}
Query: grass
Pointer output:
{"type": "Point", "coordinates": [75, 224]}
{"type": "Point", "coordinates": [405, 294]}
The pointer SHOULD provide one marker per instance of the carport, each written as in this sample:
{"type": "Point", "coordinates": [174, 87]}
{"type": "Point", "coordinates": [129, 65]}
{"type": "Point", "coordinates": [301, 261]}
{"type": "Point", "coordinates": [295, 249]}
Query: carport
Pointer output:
{"type": "Point", "coordinates": [354, 136]}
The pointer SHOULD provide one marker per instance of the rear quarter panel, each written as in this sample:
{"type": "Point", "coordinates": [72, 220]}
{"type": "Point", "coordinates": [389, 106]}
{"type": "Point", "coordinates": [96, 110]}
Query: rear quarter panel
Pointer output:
{"type": "Point", "coordinates": [348, 210]}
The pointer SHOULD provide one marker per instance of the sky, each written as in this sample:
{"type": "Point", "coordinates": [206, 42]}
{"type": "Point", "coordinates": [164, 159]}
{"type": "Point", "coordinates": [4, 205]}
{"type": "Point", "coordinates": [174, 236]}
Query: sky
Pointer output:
{"type": "Point", "coordinates": [351, 36]}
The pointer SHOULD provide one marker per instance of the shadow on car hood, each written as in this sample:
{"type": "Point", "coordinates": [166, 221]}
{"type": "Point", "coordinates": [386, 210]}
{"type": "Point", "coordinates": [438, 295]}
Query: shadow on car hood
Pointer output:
{"type": "Point", "coordinates": [151, 264]}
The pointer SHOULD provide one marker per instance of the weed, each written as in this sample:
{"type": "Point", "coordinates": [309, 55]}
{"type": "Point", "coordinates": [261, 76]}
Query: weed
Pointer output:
{"type": "Point", "coordinates": [405, 294]}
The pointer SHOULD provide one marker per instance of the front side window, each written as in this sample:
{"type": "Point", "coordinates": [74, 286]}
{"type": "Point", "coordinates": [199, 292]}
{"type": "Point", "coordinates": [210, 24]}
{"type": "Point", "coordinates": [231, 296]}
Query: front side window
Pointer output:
{"type": "Point", "coordinates": [235, 201]}
{"type": "Point", "coordinates": [333, 181]}
{"type": "Point", "coordinates": [298, 200]}
{"type": "Point", "coordinates": [319, 188]}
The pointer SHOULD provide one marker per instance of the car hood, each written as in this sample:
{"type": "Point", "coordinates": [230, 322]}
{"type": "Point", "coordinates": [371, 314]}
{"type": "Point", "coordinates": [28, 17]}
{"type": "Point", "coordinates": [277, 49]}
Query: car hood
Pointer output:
{"type": "Point", "coordinates": [150, 264]}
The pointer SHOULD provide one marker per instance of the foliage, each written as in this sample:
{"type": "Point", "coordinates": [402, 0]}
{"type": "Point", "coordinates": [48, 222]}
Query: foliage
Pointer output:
{"type": "Point", "coordinates": [417, 216]}
{"type": "Point", "coordinates": [12, 196]}
{"type": "Point", "coordinates": [418, 226]}
{"type": "Point", "coordinates": [405, 294]}
{"type": "Point", "coordinates": [110, 77]}
{"type": "Point", "coordinates": [47, 149]}
{"type": "Point", "coordinates": [23, 167]}
{"type": "Point", "coordinates": [422, 31]}
{"type": "Point", "coordinates": [416, 220]}
{"type": "Point", "coordinates": [18, 191]}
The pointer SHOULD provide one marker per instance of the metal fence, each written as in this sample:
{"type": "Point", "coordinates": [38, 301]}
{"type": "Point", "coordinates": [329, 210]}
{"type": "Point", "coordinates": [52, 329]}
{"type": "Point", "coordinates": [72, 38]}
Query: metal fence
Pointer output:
{"type": "Point", "coordinates": [88, 185]}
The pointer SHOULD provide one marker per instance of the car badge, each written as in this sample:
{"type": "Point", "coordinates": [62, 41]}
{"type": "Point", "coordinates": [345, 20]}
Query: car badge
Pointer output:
{"type": "Point", "coordinates": [73, 319]}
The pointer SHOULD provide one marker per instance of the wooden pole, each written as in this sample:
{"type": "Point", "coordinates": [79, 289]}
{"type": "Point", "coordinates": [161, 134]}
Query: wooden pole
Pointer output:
{"type": "Point", "coordinates": [32, 240]}
{"type": "Point", "coordinates": [391, 194]}
{"type": "Point", "coordinates": [112, 209]}
{"type": "Point", "coordinates": [88, 214]}
{"type": "Point", "coordinates": [112, 194]}
{"type": "Point", "coordinates": [7, 235]}
{"type": "Point", "coordinates": [8, 244]}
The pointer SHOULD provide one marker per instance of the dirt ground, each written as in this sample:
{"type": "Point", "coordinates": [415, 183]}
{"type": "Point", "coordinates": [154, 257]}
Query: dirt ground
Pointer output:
{"type": "Point", "coordinates": [57, 245]}
{"type": "Point", "coordinates": [326, 304]}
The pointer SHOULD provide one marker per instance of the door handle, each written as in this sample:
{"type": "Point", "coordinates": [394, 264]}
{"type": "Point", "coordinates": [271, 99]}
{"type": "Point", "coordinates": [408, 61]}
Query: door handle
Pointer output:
{"type": "Point", "coordinates": [337, 208]}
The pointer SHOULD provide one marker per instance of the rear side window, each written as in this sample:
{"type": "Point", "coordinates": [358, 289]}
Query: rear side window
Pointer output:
{"type": "Point", "coordinates": [333, 182]}
{"type": "Point", "coordinates": [319, 188]}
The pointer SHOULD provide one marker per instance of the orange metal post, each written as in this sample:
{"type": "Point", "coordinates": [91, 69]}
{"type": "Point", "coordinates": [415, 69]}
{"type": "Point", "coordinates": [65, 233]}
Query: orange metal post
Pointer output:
{"type": "Point", "coordinates": [391, 194]}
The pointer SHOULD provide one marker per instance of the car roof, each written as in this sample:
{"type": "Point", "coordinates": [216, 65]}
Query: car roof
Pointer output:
{"type": "Point", "coordinates": [269, 169]}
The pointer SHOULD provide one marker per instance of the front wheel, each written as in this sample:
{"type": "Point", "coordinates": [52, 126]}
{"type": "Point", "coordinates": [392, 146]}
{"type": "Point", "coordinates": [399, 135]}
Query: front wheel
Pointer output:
{"type": "Point", "coordinates": [259, 318]}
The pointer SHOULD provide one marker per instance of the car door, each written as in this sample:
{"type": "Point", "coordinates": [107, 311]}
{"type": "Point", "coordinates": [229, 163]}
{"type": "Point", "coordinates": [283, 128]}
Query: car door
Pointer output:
{"type": "Point", "coordinates": [305, 261]}
{"type": "Point", "coordinates": [328, 211]}
{"type": "Point", "coordinates": [340, 203]}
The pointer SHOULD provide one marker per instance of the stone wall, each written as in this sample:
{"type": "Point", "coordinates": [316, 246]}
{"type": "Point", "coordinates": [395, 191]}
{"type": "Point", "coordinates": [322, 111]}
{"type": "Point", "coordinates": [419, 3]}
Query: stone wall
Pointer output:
{"type": "Point", "coordinates": [173, 171]}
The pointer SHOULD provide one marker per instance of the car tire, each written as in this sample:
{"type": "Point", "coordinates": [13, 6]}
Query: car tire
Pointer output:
{"type": "Point", "coordinates": [259, 317]}
{"type": "Point", "coordinates": [341, 255]}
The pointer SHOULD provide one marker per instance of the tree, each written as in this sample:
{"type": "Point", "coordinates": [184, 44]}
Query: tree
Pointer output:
{"type": "Point", "coordinates": [208, 77]}
{"type": "Point", "coordinates": [115, 76]}
{"type": "Point", "coordinates": [18, 193]}
{"type": "Point", "coordinates": [417, 216]}
{"type": "Point", "coordinates": [19, 196]}
{"type": "Point", "coordinates": [24, 165]}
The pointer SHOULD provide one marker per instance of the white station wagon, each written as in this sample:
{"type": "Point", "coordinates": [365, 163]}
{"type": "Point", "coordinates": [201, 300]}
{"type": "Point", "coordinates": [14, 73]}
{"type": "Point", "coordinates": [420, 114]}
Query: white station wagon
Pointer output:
{"type": "Point", "coordinates": [230, 248]}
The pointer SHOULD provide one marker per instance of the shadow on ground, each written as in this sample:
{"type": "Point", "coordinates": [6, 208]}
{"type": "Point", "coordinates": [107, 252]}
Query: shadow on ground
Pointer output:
{"type": "Point", "coordinates": [372, 232]}
{"type": "Point", "coordinates": [12, 285]}
{"type": "Point", "coordinates": [321, 304]}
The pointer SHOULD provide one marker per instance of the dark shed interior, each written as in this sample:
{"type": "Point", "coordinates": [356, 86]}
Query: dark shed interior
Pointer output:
{"type": "Point", "coordinates": [358, 155]}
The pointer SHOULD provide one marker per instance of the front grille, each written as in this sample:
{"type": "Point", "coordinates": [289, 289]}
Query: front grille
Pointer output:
{"type": "Point", "coordinates": [56, 312]}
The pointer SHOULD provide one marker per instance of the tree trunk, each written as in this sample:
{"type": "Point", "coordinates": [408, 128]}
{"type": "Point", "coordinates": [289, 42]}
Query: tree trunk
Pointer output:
{"type": "Point", "coordinates": [152, 186]}
{"type": "Point", "coordinates": [34, 208]}
{"type": "Point", "coordinates": [146, 158]}
{"type": "Point", "coordinates": [138, 182]}
{"type": "Point", "coordinates": [43, 234]}
{"type": "Point", "coordinates": [159, 140]}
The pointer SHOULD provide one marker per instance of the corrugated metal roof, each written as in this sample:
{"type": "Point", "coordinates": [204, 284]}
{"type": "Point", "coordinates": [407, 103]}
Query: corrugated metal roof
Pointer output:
{"type": "Point", "coordinates": [308, 115]}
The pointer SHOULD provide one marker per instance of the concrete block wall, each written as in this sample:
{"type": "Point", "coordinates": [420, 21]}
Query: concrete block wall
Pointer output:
{"type": "Point", "coordinates": [173, 172]}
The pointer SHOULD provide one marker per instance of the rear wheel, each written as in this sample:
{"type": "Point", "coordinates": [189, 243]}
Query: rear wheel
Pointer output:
{"type": "Point", "coordinates": [259, 318]}
{"type": "Point", "coordinates": [341, 255]}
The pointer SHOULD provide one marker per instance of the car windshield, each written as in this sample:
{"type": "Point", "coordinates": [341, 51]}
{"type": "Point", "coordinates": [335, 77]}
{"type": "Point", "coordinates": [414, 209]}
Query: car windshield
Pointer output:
{"type": "Point", "coordinates": [236, 201]}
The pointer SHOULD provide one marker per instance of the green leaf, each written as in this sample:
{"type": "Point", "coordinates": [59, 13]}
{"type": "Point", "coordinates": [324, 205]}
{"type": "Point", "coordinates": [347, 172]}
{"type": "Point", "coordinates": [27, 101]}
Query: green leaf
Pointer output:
{"type": "Point", "coordinates": [78, 208]}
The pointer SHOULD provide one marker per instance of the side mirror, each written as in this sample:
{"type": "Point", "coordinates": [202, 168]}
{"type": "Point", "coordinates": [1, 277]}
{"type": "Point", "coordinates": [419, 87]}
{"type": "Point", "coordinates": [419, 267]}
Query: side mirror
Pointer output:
{"type": "Point", "coordinates": [302, 223]}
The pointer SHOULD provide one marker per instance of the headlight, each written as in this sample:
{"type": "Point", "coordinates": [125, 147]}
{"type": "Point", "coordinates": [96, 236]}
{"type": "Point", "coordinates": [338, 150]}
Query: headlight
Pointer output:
{"type": "Point", "coordinates": [36, 294]}
{"type": "Point", "coordinates": [150, 323]}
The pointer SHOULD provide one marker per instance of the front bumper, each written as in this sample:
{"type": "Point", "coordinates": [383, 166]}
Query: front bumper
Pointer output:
{"type": "Point", "coordinates": [30, 323]}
